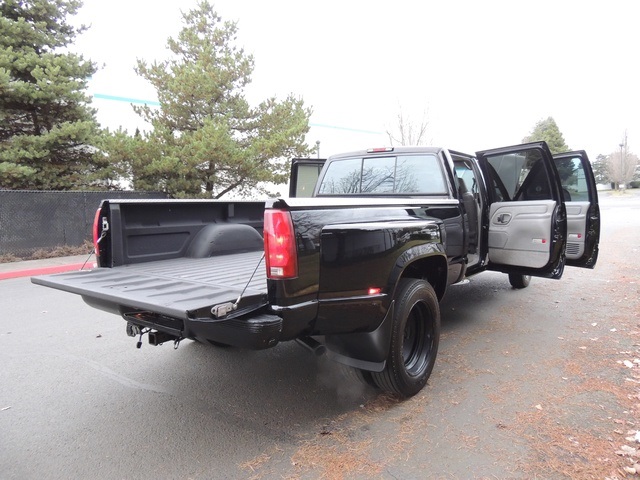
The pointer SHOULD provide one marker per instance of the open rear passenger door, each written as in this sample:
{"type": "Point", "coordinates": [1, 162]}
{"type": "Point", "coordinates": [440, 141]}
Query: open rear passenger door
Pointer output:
{"type": "Point", "coordinates": [583, 212]}
{"type": "Point", "coordinates": [304, 176]}
{"type": "Point", "coordinates": [527, 222]}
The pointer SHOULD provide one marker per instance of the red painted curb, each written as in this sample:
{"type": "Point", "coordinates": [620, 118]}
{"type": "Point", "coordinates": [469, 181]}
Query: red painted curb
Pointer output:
{"type": "Point", "coordinates": [45, 270]}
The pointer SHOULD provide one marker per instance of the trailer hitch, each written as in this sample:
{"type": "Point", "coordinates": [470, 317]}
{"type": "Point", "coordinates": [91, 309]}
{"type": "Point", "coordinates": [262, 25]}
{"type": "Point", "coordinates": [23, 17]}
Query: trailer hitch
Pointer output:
{"type": "Point", "coordinates": [155, 337]}
{"type": "Point", "coordinates": [136, 331]}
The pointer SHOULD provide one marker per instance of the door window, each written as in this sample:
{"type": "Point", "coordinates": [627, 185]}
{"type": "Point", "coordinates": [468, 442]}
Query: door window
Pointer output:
{"type": "Point", "coordinates": [468, 177]}
{"type": "Point", "coordinates": [573, 179]}
{"type": "Point", "coordinates": [469, 193]}
{"type": "Point", "coordinates": [306, 179]}
{"type": "Point", "coordinates": [520, 176]}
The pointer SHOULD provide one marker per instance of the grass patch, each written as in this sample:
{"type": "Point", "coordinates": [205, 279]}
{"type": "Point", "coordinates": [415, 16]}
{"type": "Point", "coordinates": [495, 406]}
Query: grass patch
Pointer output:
{"type": "Point", "coordinates": [54, 252]}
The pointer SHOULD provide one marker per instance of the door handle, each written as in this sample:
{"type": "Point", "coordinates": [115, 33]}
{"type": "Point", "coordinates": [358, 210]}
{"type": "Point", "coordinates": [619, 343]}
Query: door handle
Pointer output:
{"type": "Point", "coordinates": [503, 218]}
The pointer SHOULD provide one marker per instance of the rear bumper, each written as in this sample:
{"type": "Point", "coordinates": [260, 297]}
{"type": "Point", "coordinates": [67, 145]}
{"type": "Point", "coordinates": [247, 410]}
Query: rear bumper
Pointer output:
{"type": "Point", "coordinates": [255, 332]}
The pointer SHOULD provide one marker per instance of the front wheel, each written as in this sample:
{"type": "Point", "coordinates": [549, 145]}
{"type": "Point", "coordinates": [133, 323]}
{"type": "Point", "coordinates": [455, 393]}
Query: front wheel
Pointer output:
{"type": "Point", "coordinates": [519, 281]}
{"type": "Point", "coordinates": [414, 339]}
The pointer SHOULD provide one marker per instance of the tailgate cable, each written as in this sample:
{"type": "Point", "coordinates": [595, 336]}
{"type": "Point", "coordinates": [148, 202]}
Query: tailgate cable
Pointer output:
{"type": "Point", "coordinates": [223, 309]}
{"type": "Point", "coordinates": [105, 229]}
{"type": "Point", "coordinates": [235, 305]}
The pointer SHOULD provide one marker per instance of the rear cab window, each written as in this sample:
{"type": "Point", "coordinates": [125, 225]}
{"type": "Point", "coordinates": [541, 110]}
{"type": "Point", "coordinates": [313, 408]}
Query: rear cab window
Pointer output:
{"type": "Point", "coordinates": [402, 174]}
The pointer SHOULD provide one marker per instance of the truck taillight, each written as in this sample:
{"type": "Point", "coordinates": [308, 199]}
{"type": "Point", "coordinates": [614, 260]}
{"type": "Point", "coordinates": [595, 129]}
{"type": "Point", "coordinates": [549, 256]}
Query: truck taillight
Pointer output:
{"type": "Point", "coordinates": [280, 245]}
{"type": "Point", "coordinates": [96, 233]}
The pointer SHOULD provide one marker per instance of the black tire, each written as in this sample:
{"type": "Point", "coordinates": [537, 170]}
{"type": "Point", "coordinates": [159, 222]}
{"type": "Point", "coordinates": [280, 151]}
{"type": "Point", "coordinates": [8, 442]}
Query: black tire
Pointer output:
{"type": "Point", "coordinates": [414, 339]}
{"type": "Point", "coordinates": [519, 281]}
{"type": "Point", "coordinates": [356, 374]}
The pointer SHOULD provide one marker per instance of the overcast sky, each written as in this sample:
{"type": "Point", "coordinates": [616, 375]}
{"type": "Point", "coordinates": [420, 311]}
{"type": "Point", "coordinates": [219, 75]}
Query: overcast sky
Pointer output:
{"type": "Point", "coordinates": [481, 72]}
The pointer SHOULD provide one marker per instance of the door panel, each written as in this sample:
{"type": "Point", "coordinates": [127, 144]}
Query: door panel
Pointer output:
{"type": "Point", "coordinates": [519, 233]}
{"type": "Point", "coordinates": [583, 213]}
{"type": "Point", "coordinates": [527, 218]}
{"type": "Point", "coordinates": [576, 228]}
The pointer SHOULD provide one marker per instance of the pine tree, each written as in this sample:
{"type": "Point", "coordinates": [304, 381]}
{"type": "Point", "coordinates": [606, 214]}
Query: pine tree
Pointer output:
{"type": "Point", "coordinates": [548, 131]}
{"type": "Point", "coordinates": [600, 168]}
{"type": "Point", "coordinates": [207, 140]}
{"type": "Point", "coordinates": [46, 125]}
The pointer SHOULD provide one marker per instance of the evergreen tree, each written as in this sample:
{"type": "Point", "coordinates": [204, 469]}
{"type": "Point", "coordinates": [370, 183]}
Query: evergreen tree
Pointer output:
{"type": "Point", "coordinates": [600, 167]}
{"type": "Point", "coordinates": [548, 131]}
{"type": "Point", "coordinates": [206, 139]}
{"type": "Point", "coordinates": [47, 128]}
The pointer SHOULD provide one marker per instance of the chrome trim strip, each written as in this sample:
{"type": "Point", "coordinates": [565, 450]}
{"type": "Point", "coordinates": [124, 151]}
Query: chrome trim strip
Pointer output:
{"type": "Point", "coordinates": [378, 296]}
{"type": "Point", "coordinates": [278, 308]}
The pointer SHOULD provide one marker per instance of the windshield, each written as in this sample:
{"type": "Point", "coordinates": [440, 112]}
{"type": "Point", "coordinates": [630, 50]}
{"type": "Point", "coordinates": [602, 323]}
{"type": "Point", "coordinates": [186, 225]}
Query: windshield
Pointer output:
{"type": "Point", "coordinates": [403, 174]}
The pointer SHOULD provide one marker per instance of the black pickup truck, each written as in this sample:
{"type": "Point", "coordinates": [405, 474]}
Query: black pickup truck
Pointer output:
{"type": "Point", "coordinates": [353, 263]}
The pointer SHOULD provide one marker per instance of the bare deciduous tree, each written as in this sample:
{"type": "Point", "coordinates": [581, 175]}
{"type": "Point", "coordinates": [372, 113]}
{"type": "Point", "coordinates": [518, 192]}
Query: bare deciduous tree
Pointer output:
{"type": "Point", "coordinates": [409, 132]}
{"type": "Point", "coordinates": [622, 164]}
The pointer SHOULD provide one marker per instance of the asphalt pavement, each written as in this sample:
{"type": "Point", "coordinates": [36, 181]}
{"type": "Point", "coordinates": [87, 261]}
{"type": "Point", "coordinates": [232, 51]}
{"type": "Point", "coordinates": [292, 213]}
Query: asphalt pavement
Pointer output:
{"type": "Point", "coordinates": [535, 383]}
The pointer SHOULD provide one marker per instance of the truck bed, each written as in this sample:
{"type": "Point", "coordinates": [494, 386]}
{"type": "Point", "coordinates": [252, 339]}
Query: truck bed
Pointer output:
{"type": "Point", "coordinates": [183, 288]}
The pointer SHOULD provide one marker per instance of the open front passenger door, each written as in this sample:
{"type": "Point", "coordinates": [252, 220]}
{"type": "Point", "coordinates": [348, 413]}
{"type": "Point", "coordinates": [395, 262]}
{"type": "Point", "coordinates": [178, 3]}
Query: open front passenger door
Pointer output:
{"type": "Point", "coordinates": [583, 212]}
{"type": "Point", "coordinates": [527, 221]}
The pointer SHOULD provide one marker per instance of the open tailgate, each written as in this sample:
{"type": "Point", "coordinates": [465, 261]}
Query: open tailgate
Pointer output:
{"type": "Point", "coordinates": [183, 288]}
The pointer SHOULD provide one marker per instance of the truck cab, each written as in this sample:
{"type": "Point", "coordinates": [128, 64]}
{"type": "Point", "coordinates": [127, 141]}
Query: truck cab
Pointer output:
{"type": "Point", "coordinates": [527, 212]}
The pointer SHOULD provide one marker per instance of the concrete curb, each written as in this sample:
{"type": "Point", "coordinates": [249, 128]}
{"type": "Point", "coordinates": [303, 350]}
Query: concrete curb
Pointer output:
{"type": "Point", "coordinates": [45, 267]}
{"type": "Point", "coordinates": [44, 271]}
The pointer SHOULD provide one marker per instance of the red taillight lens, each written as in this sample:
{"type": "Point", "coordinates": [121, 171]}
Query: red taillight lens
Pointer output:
{"type": "Point", "coordinates": [96, 233]}
{"type": "Point", "coordinates": [280, 245]}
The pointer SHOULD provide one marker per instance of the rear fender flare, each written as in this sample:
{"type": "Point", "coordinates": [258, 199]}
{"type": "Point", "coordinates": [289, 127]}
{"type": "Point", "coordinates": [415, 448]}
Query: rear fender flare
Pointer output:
{"type": "Point", "coordinates": [427, 261]}
{"type": "Point", "coordinates": [369, 350]}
